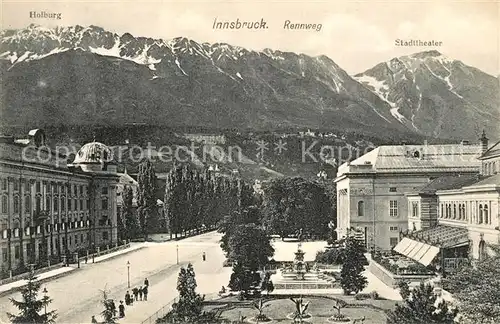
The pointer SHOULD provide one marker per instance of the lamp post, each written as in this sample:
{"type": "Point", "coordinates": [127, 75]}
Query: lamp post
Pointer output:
{"type": "Point", "coordinates": [45, 291]}
{"type": "Point", "coordinates": [177, 252]}
{"type": "Point", "coordinates": [128, 273]}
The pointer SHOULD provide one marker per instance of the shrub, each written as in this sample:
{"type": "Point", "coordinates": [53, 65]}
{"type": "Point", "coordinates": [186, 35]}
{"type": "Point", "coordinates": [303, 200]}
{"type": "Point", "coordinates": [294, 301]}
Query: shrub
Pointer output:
{"type": "Point", "coordinates": [362, 296]}
{"type": "Point", "coordinates": [340, 318]}
{"type": "Point", "coordinates": [374, 295]}
{"type": "Point", "coordinates": [331, 256]}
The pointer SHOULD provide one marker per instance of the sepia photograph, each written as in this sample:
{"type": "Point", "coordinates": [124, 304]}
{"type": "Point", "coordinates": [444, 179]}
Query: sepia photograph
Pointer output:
{"type": "Point", "coordinates": [248, 161]}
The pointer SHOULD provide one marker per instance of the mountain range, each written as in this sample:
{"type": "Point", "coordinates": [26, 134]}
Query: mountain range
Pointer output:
{"type": "Point", "coordinates": [90, 76]}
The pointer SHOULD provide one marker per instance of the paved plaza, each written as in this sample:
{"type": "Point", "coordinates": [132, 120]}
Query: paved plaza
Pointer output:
{"type": "Point", "coordinates": [77, 296]}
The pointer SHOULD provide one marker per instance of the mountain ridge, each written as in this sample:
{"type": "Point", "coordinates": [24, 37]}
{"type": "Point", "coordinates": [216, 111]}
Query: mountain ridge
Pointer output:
{"type": "Point", "coordinates": [181, 81]}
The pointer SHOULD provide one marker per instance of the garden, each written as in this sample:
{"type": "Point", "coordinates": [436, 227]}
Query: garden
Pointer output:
{"type": "Point", "coordinates": [400, 265]}
{"type": "Point", "coordinates": [296, 309]}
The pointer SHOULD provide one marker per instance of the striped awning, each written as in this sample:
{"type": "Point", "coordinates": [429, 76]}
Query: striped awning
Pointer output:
{"type": "Point", "coordinates": [418, 251]}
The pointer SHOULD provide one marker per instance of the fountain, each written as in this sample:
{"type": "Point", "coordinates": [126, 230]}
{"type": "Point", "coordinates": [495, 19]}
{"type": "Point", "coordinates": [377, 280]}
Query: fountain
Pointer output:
{"type": "Point", "coordinates": [300, 276]}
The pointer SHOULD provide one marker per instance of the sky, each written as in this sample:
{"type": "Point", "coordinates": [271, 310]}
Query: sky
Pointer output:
{"type": "Point", "coordinates": [356, 34]}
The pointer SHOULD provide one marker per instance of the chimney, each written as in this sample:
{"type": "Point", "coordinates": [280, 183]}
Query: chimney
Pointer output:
{"type": "Point", "coordinates": [484, 142]}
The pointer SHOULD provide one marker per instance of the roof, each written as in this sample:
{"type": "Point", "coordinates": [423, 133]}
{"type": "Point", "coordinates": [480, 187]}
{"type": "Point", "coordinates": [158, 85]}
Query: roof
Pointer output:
{"type": "Point", "coordinates": [491, 152]}
{"type": "Point", "coordinates": [441, 235]}
{"type": "Point", "coordinates": [486, 181]}
{"type": "Point", "coordinates": [126, 179]}
{"type": "Point", "coordinates": [417, 158]}
{"type": "Point", "coordinates": [93, 152]}
{"type": "Point", "coordinates": [449, 183]}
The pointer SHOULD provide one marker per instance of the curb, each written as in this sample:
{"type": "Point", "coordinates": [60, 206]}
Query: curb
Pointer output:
{"type": "Point", "coordinates": [59, 275]}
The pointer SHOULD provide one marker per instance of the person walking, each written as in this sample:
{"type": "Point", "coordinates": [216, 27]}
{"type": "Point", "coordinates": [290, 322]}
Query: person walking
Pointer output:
{"type": "Point", "coordinates": [127, 298]}
{"type": "Point", "coordinates": [204, 256]}
{"type": "Point", "coordinates": [145, 292]}
{"type": "Point", "coordinates": [121, 309]}
{"type": "Point", "coordinates": [113, 307]}
{"type": "Point", "coordinates": [146, 282]}
{"type": "Point", "coordinates": [135, 291]}
{"type": "Point", "coordinates": [93, 320]}
{"type": "Point", "coordinates": [86, 259]}
{"type": "Point", "coordinates": [140, 293]}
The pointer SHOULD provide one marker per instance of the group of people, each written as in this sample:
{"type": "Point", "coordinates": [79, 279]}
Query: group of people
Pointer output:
{"type": "Point", "coordinates": [138, 294]}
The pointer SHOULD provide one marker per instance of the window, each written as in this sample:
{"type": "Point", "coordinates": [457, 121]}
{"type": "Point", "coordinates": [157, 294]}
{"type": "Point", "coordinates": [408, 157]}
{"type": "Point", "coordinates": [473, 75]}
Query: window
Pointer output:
{"type": "Point", "coordinates": [17, 252]}
{"type": "Point", "coordinates": [393, 228]}
{"type": "Point", "coordinates": [4, 184]}
{"type": "Point", "coordinates": [480, 220]}
{"type": "Point", "coordinates": [361, 208]}
{"type": "Point", "coordinates": [393, 241]}
{"type": "Point", "coordinates": [16, 204]}
{"type": "Point", "coordinates": [414, 209]}
{"type": "Point", "coordinates": [81, 190]}
{"type": "Point", "coordinates": [393, 208]}
{"type": "Point", "coordinates": [27, 204]}
{"type": "Point", "coordinates": [104, 190]}
{"type": "Point", "coordinates": [27, 186]}
{"type": "Point", "coordinates": [38, 204]}
{"type": "Point", "coordinates": [105, 235]}
{"type": "Point", "coordinates": [75, 190]}
{"type": "Point", "coordinates": [56, 205]}
{"type": "Point", "coordinates": [47, 204]}
{"type": "Point", "coordinates": [454, 211]}
{"type": "Point", "coordinates": [5, 204]}
{"type": "Point", "coordinates": [81, 204]}
{"type": "Point", "coordinates": [16, 185]}
{"type": "Point", "coordinates": [63, 205]}
{"type": "Point", "coordinates": [4, 255]}
{"type": "Point", "coordinates": [38, 187]}
{"type": "Point", "coordinates": [392, 189]}
{"type": "Point", "coordinates": [486, 215]}
{"type": "Point", "coordinates": [104, 203]}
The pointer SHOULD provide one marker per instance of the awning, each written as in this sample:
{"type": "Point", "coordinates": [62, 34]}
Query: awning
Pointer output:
{"type": "Point", "coordinates": [418, 251]}
{"type": "Point", "coordinates": [403, 244]}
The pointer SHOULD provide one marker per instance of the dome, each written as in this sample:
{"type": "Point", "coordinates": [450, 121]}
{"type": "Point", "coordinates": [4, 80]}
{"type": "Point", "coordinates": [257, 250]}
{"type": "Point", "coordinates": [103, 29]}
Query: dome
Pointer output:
{"type": "Point", "coordinates": [93, 156]}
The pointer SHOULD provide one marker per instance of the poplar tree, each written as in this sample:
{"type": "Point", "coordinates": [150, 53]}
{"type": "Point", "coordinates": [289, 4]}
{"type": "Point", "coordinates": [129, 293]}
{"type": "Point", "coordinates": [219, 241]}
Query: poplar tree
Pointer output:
{"type": "Point", "coordinates": [146, 197]}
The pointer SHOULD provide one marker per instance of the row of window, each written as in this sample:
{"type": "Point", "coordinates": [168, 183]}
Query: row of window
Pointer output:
{"type": "Point", "coordinates": [479, 213]}
{"type": "Point", "coordinates": [78, 239]}
{"type": "Point", "coordinates": [491, 168]}
{"type": "Point", "coordinates": [72, 204]}
{"type": "Point", "coordinates": [393, 208]}
{"type": "Point", "coordinates": [74, 189]}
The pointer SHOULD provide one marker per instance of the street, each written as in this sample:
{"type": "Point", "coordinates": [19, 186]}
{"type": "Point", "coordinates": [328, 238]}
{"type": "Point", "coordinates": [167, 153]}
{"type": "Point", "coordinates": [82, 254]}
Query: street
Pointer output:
{"type": "Point", "coordinates": [78, 296]}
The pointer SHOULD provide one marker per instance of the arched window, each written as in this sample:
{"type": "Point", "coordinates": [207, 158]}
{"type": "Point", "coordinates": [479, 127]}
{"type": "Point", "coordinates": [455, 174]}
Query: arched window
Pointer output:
{"type": "Point", "coordinates": [485, 214]}
{"type": "Point", "coordinates": [56, 205]}
{"type": "Point", "coordinates": [361, 208]}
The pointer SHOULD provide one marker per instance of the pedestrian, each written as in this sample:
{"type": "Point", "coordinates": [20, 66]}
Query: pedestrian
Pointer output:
{"type": "Point", "coordinates": [113, 307]}
{"type": "Point", "coordinates": [145, 292]}
{"type": "Point", "coordinates": [135, 291]}
{"type": "Point", "coordinates": [121, 309]}
{"type": "Point", "coordinates": [146, 282]}
{"type": "Point", "coordinates": [86, 259]}
{"type": "Point", "coordinates": [93, 320]}
{"type": "Point", "coordinates": [204, 256]}
{"type": "Point", "coordinates": [127, 298]}
{"type": "Point", "coordinates": [140, 293]}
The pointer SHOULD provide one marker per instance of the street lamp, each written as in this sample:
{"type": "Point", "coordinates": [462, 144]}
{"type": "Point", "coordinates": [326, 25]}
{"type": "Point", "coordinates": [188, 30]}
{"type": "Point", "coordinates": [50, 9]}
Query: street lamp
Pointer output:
{"type": "Point", "coordinates": [128, 273]}
{"type": "Point", "coordinates": [45, 291]}
{"type": "Point", "coordinates": [177, 252]}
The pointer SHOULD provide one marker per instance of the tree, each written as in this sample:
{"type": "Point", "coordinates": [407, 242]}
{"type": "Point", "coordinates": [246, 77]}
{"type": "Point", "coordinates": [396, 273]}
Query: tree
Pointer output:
{"type": "Point", "coordinates": [32, 309]}
{"type": "Point", "coordinates": [476, 288]}
{"type": "Point", "coordinates": [421, 306]}
{"type": "Point", "coordinates": [351, 278]}
{"type": "Point", "coordinates": [243, 279]}
{"type": "Point", "coordinates": [146, 197]}
{"type": "Point", "coordinates": [249, 215]}
{"type": "Point", "coordinates": [250, 246]}
{"type": "Point", "coordinates": [128, 217]}
{"type": "Point", "coordinates": [109, 312]}
{"type": "Point", "coordinates": [188, 308]}
{"type": "Point", "coordinates": [294, 204]}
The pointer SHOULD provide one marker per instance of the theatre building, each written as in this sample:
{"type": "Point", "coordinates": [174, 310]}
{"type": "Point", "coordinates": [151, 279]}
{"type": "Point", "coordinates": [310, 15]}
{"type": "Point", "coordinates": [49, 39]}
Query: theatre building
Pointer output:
{"type": "Point", "coordinates": [454, 219]}
{"type": "Point", "coordinates": [371, 189]}
{"type": "Point", "coordinates": [50, 209]}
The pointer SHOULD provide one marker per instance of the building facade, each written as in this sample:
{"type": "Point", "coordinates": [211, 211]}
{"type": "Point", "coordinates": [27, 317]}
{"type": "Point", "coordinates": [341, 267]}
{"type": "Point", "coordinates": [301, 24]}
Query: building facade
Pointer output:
{"type": "Point", "coordinates": [50, 209]}
{"type": "Point", "coordinates": [371, 189]}
{"type": "Point", "coordinates": [456, 217]}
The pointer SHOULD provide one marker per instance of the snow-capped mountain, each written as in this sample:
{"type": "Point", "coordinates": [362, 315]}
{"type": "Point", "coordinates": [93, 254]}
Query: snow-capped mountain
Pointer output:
{"type": "Point", "coordinates": [434, 94]}
{"type": "Point", "coordinates": [69, 75]}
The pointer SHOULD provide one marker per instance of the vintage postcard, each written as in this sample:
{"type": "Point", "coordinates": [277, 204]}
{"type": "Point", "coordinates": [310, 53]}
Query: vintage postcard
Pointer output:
{"type": "Point", "coordinates": [223, 161]}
